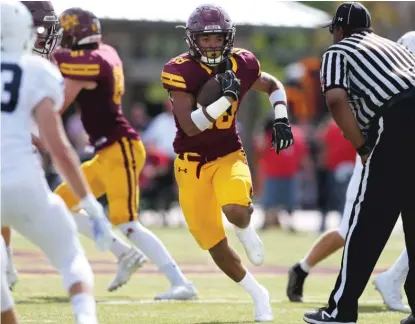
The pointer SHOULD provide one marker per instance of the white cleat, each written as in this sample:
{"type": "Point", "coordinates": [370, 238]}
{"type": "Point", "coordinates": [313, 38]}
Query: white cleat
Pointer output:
{"type": "Point", "coordinates": [263, 310]}
{"type": "Point", "coordinates": [182, 292]}
{"type": "Point", "coordinates": [128, 263]}
{"type": "Point", "coordinates": [390, 292]}
{"type": "Point", "coordinates": [253, 246]}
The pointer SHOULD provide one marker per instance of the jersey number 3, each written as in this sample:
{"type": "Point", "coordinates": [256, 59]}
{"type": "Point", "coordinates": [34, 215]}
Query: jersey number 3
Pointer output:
{"type": "Point", "coordinates": [11, 76]}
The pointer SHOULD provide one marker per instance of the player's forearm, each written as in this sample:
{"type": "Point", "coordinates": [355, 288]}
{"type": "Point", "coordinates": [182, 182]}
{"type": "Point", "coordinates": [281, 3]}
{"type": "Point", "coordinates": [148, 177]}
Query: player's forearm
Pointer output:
{"type": "Point", "coordinates": [190, 128]}
{"type": "Point", "coordinates": [275, 89]}
{"type": "Point", "coordinates": [68, 164]}
{"type": "Point", "coordinates": [203, 117]}
{"type": "Point", "coordinates": [36, 141]}
{"type": "Point", "coordinates": [278, 99]}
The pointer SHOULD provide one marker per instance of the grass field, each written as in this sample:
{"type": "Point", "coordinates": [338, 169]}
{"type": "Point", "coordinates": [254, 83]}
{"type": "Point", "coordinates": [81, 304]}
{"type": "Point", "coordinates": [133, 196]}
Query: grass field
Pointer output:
{"type": "Point", "coordinates": [41, 299]}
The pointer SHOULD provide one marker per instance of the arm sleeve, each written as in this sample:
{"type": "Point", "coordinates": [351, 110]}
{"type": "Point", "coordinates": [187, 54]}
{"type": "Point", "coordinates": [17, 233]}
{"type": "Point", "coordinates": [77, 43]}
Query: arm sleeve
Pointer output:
{"type": "Point", "coordinates": [252, 67]}
{"type": "Point", "coordinates": [173, 78]}
{"type": "Point", "coordinates": [334, 72]}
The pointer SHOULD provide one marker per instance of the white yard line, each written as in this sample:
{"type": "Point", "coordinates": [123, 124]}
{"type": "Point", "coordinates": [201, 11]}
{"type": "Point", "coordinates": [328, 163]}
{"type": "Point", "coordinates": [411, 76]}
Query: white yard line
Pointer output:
{"type": "Point", "coordinates": [218, 301]}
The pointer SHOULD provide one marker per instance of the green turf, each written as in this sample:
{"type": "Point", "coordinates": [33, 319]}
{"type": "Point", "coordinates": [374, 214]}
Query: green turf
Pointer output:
{"type": "Point", "coordinates": [41, 299]}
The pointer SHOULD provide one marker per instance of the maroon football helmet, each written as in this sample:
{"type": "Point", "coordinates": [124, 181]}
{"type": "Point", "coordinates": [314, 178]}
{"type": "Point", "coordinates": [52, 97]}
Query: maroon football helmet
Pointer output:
{"type": "Point", "coordinates": [207, 20]}
{"type": "Point", "coordinates": [79, 27]}
{"type": "Point", "coordinates": [47, 25]}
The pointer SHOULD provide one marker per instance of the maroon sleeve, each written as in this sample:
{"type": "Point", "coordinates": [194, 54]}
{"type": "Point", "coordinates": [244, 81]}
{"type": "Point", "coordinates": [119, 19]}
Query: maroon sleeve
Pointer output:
{"type": "Point", "coordinates": [79, 65]}
{"type": "Point", "coordinates": [182, 74]}
{"type": "Point", "coordinates": [250, 65]}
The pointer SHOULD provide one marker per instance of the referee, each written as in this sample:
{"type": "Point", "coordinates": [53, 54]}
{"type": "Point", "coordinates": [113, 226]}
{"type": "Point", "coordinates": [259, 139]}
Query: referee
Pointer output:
{"type": "Point", "coordinates": [369, 85]}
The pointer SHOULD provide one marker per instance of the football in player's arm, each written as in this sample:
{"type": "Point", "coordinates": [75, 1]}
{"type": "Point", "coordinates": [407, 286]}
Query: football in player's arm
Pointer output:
{"type": "Point", "coordinates": [194, 121]}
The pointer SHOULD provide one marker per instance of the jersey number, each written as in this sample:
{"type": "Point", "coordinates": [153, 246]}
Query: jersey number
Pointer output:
{"type": "Point", "coordinates": [179, 60]}
{"type": "Point", "coordinates": [118, 84]}
{"type": "Point", "coordinates": [225, 121]}
{"type": "Point", "coordinates": [11, 76]}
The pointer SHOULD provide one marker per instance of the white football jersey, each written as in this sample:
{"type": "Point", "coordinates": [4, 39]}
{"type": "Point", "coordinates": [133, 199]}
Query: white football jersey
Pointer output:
{"type": "Point", "coordinates": [25, 81]}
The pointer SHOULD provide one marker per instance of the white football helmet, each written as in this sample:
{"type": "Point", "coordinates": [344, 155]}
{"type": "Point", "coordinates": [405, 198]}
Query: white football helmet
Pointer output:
{"type": "Point", "coordinates": [17, 31]}
{"type": "Point", "coordinates": [408, 40]}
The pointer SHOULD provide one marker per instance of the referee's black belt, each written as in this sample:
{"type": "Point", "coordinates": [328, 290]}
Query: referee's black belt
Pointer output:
{"type": "Point", "coordinates": [400, 97]}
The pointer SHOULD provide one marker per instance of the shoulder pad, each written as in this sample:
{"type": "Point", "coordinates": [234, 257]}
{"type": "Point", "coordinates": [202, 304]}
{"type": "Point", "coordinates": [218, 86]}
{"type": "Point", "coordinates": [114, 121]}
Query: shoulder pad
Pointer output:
{"type": "Point", "coordinates": [48, 79]}
{"type": "Point", "coordinates": [43, 66]}
{"type": "Point", "coordinates": [177, 73]}
{"type": "Point", "coordinates": [79, 65]}
{"type": "Point", "coordinates": [248, 59]}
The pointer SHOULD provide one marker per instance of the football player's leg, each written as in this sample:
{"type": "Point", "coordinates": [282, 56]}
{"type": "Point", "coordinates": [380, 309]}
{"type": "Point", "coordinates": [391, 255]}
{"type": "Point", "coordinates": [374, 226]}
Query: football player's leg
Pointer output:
{"type": "Point", "coordinates": [408, 221]}
{"type": "Point", "coordinates": [203, 215]}
{"type": "Point", "coordinates": [389, 283]}
{"type": "Point", "coordinates": [12, 274]}
{"type": "Point", "coordinates": [52, 228]}
{"type": "Point", "coordinates": [233, 190]}
{"type": "Point", "coordinates": [326, 244]}
{"type": "Point", "coordinates": [7, 235]}
{"type": "Point", "coordinates": [92, 171]}
{"type": "Point", "coordinates": [124, 164]}
{"type": "Point", "coordinates": [8, 314]}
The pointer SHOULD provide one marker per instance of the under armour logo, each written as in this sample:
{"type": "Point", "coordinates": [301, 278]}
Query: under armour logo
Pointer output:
{"type": "Point", "coordinates": [182, 170]}
{"type": "Point", "coordinates": [340, 19]}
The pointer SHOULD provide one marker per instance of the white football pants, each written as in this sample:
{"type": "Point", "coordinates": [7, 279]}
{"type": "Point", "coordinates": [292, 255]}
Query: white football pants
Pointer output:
{"type": "Point", "coordinates": [29, 207]}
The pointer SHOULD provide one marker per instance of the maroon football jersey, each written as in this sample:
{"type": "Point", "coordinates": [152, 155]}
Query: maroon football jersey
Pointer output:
{"type": "Point", "coordinates": [101, 110]}
{"type": "Point", "coordinates": [186, 74]}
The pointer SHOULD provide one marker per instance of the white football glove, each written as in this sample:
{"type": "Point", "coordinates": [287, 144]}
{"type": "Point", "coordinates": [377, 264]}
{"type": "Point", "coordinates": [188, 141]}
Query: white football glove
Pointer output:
{"type": "Point", "coordinates": [101, 227]}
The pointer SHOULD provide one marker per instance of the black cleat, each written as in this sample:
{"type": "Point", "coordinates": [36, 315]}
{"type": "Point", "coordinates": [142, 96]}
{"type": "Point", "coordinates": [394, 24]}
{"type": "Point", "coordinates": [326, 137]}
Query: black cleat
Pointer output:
{"type": "Point", "coordinates": [296, 278]}
{"type": "Point", "coordinates": [409, 320]}
{"type": "Point", "coordinates": [320, 316]}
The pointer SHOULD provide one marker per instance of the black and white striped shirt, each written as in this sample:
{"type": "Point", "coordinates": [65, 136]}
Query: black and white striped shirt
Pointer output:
{"type": "Point", "coordinates": [372, 69]}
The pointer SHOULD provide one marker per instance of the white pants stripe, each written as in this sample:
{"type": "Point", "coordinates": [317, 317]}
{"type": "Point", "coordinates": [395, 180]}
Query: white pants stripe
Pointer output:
{"type": "Point", "coordinates": [355, 214]}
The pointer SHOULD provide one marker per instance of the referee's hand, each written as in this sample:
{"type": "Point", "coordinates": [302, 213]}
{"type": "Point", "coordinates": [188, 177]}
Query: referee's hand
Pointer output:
{"type": "Point", "coordinates": [364, 158]}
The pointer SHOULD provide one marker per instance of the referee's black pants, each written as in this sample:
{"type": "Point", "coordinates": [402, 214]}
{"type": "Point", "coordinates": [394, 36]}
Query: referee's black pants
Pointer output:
{"type": "Point", "coordinates": [387, 188]}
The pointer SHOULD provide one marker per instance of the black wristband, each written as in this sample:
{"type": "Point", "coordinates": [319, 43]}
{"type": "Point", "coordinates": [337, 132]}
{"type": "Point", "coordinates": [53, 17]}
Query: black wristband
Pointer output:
{"type": "Point", "coordinates": [363, 150]}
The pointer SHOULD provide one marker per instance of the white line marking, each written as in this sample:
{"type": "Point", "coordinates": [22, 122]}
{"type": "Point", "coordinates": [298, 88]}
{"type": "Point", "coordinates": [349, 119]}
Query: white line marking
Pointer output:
{"type": "Point", "coordinates": [216, 301]}
{"type": "Point", "coordinates": [38, 321]}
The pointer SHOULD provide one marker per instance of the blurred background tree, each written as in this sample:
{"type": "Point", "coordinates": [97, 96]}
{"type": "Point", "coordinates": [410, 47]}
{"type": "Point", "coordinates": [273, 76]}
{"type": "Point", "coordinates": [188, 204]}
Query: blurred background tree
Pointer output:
{"type": "Point", "coordinates": [389, 18]}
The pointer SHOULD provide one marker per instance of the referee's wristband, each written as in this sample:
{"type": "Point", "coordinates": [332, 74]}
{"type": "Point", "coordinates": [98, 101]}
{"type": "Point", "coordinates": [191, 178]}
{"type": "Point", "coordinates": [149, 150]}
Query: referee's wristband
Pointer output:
{"type": "Point", "coordinates": [363, 150]}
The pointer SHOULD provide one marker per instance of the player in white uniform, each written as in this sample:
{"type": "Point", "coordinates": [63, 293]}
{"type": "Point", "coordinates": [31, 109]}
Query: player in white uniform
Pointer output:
{"type": "Point", "coordinates": [32, 86]}
{"type": "Point", "coordinates": [8, 314]}
{"type": "Point", "coordinates": [388, 283]}
{"type": "Point", "coordinates": [129, 258]}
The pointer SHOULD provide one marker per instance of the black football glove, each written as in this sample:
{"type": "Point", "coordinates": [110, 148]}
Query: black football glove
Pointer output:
{"type": "Point", "coordinates": [282, 137]}
{"type": "Point", "coordinates": [230, 84]}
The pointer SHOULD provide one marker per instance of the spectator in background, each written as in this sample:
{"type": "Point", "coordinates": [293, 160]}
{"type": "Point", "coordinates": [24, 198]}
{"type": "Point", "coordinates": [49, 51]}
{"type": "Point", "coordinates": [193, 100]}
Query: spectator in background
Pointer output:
{"type": "Point", "coordinates": [160, 191]}
{"type": "Point", "coordinates": [338, 157]}
{"type": "Point", "coordinates": [161, 132]}
{"type": "Point", "coordinates": [280, 172]}
{"type": "Point", "coordinates": [138, 117]}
